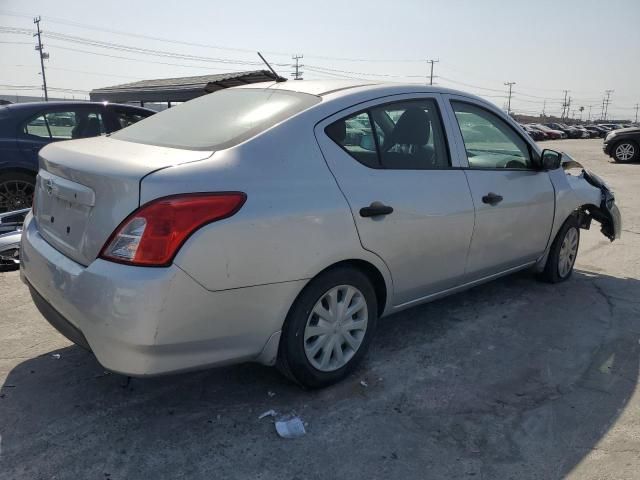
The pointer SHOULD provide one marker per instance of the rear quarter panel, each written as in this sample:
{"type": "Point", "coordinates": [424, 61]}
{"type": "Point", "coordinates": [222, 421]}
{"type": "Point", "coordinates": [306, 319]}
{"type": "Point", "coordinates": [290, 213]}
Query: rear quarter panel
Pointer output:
{"type": "Point", "coordinates": [294, 224]}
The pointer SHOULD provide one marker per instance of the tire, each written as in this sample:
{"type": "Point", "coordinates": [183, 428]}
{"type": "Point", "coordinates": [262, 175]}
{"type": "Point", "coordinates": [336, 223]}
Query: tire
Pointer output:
{"type": "Point", "coordinates": [554, 270]}
{"type": "Point", "coordinates": [295, 355]}
{"type": "Point", "coordinates": [626, 151]}
{"type": "Point", "coordinates": [16, 191]}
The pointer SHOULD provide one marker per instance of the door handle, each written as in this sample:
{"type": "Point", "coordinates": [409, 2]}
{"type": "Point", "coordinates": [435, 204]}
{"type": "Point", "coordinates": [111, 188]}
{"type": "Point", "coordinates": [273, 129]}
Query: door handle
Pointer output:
{"type": "Point", "coordinates": [376, 209]}
{"type": "Point", "coordinates": [492, 198]}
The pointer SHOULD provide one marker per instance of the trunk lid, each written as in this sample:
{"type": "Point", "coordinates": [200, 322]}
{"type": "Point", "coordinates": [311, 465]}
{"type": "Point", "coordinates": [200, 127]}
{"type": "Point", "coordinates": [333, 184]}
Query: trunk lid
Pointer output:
{"type": "Point", "coordinates": [86, 188]}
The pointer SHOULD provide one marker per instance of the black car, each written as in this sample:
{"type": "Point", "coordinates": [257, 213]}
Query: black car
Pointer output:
{"type": "Point", "coordinates": [27, 127]}
{"type": "Point", "coordinates": [571, 132]}
{"type": "Point", "coordinates": [623, 145]}
{"type": "Point", "coordinates": [596, 131]}
{"type": "Point", "coordinates": [536, 135]}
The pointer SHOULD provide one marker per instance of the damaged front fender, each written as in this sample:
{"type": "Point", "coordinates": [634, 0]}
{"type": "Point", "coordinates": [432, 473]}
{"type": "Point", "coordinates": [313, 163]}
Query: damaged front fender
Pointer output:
{"type": "Point", "coordinates": [593, 199]}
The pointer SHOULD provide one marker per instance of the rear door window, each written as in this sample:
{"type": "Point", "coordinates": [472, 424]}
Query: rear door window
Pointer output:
{"type": "Point", "coordinates": [404, 135]}
{"type": "Point", "coordinates": [65, 125]}
{"type": "Point", "coordinates": [411, 136]}
{"type": "Point", "coordinates": [355, 135]}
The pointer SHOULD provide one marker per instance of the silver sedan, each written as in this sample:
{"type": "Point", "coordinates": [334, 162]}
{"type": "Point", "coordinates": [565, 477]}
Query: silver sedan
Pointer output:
{"type": "Point", "coordinates": [277, 222]}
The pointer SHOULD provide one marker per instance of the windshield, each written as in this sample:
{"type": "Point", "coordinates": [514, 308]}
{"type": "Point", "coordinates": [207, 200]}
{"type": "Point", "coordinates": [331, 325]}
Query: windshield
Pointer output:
{"type": "Point", "coordinates": [218, 120]}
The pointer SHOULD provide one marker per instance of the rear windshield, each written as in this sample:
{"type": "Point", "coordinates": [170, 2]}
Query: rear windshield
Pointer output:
{"type": "Point", "coordinates": [218, 120]}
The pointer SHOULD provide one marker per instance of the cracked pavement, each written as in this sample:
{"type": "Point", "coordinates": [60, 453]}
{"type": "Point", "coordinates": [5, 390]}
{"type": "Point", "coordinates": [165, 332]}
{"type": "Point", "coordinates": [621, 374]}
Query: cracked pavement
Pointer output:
{"type": "Point", "coordinates": [513, 379]}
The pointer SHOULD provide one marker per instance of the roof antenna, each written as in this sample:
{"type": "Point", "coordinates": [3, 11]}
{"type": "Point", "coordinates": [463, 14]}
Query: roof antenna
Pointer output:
{"type": "Point", "coordinates": [278, 78]}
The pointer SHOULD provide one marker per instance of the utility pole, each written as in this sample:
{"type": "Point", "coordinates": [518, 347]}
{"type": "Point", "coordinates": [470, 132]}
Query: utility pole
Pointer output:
{"type": "Point", "coordinates": [431, 74]}
{"type": "Point", "coordinates": [510, 85]}
{"type": "Point", "coordinates": [606, 102]}
{"type": "Point", "coordinates": [637, 106]}
{"type": "Point", "coordinates": [569, 108]}
{"type": "Point", "coordinates": [589, 114]}
{"type": "Point", "coordinates": [297, 73]}
{"type": "Point", "coordinates": [544, 107]}
{"type": "Point", "coordinates": [565, 105]}
{"type": "Point", "coordinates": [43, 55]}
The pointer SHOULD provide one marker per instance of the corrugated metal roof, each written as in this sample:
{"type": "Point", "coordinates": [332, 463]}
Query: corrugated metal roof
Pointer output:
{"type": "Point", "coordinates": [178, 89]}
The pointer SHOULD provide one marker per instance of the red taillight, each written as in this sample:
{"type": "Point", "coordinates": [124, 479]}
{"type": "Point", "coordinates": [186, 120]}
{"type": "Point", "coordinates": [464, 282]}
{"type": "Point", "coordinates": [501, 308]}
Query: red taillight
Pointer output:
{"type": "Point", "coordinates": [153, 234]}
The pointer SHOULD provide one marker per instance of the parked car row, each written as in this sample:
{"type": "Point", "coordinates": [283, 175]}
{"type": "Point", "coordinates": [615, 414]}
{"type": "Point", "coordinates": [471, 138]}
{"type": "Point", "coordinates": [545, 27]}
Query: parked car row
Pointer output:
{"type": "Point", "coordinates": [554, 130]}
{"type": "Point", "coordinates": [27, 127]}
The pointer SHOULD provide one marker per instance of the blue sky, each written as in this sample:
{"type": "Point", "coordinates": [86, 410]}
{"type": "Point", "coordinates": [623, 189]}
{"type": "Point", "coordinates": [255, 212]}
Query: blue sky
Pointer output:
{"type": "Point", "coordinates": [544, 46]}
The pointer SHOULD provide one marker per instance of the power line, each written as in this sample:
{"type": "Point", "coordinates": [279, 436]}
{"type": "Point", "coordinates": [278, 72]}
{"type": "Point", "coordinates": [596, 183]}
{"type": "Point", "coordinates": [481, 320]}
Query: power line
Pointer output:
{"type": "Point", "coordinates": [202, 45]}
{"type": "Point", "coordinates": [39, 87]}
{"type": "Point", "coordinates": [149, 51]}
{"type": "Point", "coordinates": [200, 67]}
{"type": "Point", "coordinates": [322, 71]}
{"type": "Point", "coordinates": [389, 75]}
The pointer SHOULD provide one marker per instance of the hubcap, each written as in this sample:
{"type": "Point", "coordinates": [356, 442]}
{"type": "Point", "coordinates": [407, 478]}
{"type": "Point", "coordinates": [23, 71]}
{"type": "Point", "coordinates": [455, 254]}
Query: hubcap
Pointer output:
{"type": "Point", "coordinates": [568, 252]}
{"type": "Point", "coordinates": [15, 195]}
{"type": "Point", "coordinates": [625, 152]}
{"type": "Point", "coordinates": [335, 328]}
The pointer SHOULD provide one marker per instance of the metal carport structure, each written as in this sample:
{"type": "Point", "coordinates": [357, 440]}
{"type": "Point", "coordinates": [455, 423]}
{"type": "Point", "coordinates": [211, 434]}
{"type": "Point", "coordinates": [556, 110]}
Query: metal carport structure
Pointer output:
{"type": "Point", "coordinates": [178, 89]}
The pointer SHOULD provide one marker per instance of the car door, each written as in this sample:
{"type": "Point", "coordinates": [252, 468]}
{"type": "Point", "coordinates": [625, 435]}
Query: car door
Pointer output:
{"type": "Point", "coordinates": [514, 200]}
{"type": "Point", "coordinates": [56, 124]}
{"type": "Point", "coordinates": [411, 205]}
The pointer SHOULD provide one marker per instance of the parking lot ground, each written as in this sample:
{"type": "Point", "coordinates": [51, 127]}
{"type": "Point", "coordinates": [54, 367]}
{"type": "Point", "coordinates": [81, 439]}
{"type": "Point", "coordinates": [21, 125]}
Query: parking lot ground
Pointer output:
{"type": "Point", "coordinates": [513, 379]}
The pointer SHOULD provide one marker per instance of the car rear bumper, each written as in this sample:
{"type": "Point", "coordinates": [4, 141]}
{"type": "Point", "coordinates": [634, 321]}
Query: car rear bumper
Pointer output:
{"type": "Point", "coordinates": [148, 321]}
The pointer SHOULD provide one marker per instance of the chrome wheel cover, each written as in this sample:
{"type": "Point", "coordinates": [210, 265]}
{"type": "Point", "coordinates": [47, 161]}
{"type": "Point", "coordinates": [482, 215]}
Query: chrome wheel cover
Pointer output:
{"type": "Point", "coordinates": [625, 152]}
{"type": "Point", "coordinates": [335, 328]}
{"type": "Point", "coordinates": [568, 252]}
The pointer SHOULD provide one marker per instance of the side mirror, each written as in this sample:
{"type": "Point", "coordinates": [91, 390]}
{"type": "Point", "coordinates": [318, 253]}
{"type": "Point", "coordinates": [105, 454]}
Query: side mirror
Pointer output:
{"type": "Point", "coordinates": [550, 159]}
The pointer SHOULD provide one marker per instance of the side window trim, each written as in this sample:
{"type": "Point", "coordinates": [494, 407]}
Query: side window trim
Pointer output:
{"type": "Point", "coordinates": [391, 100]}
{"type": "Point", "coordinates": [450, 99]}
{"type": "Point", "coordinates": [375, 138]}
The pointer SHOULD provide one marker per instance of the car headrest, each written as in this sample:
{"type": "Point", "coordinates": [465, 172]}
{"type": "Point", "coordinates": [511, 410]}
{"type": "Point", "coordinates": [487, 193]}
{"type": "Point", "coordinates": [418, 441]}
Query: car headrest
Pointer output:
{"type": "Point", "coordinates": [412, 128]}
{"type": "Point", "coordinates": [92, 129]}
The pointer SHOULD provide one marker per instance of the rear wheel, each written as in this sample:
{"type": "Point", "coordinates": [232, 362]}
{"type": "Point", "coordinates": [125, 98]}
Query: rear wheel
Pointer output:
{"type": "Point", "coordinates": [563, 253]}
{"type": "Point", "coordinates": [16, 191]}
{"type": "Point", "coordinates": [626, 151]}
{"type": "Point", "coordinates": [329, 328]}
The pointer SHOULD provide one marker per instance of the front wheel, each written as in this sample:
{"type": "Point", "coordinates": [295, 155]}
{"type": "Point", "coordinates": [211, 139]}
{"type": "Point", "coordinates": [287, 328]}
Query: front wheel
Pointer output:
{"type": "Point", "coordinates": [626, 151]}
{"type": "Point", "coordinates": [563, 252]}
{"type": "Point", "coordinates": [329, 328]}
